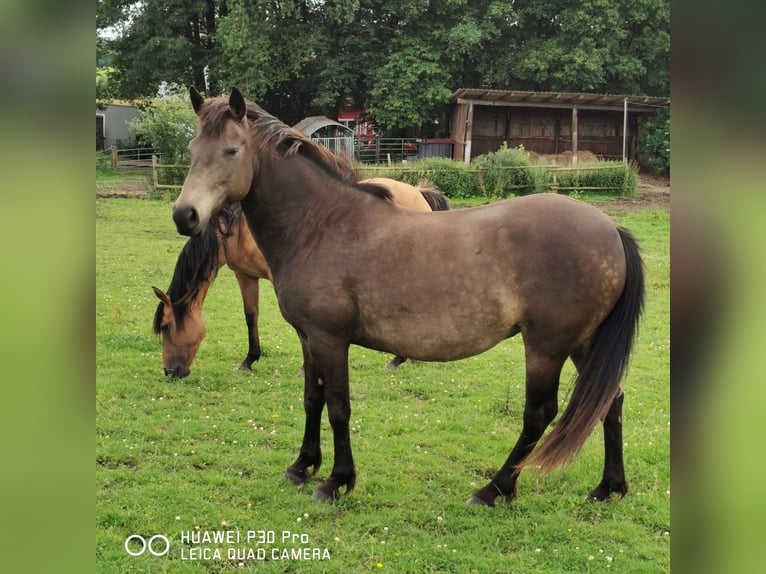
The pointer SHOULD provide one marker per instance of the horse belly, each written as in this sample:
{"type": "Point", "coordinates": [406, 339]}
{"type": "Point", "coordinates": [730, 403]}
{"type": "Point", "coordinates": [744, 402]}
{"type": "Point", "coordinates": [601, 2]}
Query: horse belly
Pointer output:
{"type": "Point", "coordinates": [441, 332]}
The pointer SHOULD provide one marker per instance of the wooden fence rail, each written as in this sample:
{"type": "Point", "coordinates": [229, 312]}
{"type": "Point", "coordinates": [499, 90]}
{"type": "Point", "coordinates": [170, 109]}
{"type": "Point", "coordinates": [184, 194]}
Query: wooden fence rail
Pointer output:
{"type": "Point", "coordinates": [409, 168]}
{"type": "Point", "coordinates": [156, 167]}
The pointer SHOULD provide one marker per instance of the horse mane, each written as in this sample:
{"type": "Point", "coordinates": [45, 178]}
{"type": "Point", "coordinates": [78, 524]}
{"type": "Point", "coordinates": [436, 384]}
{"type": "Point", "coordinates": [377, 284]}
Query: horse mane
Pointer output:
{"type": "Point", "coordinates": [196, 264]}
{"type": "Point", "coordinates": [272, 136]}
{"type": "Point", "coordinates": [436, 200]}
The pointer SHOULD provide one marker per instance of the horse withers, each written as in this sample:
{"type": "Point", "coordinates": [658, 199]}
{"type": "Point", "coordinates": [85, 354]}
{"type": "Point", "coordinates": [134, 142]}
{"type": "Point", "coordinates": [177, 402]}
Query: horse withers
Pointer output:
{"type": "Point", "coordinates": [350, 267]}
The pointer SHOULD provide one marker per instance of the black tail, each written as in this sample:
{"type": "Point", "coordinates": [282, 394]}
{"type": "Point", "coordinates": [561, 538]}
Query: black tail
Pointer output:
{"type": "Point", "coordinates": [605, 364]}
{"type": "Point", "coordinates": [435, 198]}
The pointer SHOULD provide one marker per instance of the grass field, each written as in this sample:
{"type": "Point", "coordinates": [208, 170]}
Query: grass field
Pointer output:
{"type": "Point", "coordinates": [207, 453]}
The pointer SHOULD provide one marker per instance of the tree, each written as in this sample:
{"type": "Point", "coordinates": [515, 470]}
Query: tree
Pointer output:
{"type": "Point", "coordinates": [162, 41]}
{"type": "Point", "coordinates": [268, 50]}
{"type": "Point", "coordinates": [399, 60]}
{"type": "Point", "coordinates": [409, 89]}
{"type": "Point", "coordinates": [609, 46]}
{"type": "Point", "coordinates": [654, 141]}
{"type": "Point", "coordinates": [167, 124]}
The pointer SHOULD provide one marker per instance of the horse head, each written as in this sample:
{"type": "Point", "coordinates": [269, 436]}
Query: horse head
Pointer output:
{"type": "Point", "coordinates": [180, 339]}
{"type": "Point", "coordinates": [222, 161]}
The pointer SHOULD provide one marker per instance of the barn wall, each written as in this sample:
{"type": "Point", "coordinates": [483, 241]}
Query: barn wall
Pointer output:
{"type": "Point", "coordinates": [541, 130]}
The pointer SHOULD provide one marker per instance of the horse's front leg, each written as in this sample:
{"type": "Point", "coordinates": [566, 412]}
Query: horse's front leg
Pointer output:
{"type": "Point", "coordinates": [313, 403]}
{"type": "Point", "coordinates": [248, 287]}
{"type": "Point", "coordinates": [332, 362]}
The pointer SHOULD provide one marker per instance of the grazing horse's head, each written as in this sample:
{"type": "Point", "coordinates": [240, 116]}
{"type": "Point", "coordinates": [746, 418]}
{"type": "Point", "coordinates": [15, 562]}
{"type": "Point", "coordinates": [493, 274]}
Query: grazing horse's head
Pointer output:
{"type": "Point", "coordinates": [180, 339]}
{"type": "Point", "coordinates": [222, 168]}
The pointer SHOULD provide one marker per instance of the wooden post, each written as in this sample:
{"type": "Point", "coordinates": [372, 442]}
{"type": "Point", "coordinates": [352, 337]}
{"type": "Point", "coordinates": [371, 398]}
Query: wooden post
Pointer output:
{"type": "Point", "coordinates": [115, 164]}
{"type": "Point", "coordinates": [154, 171]}
{"type": "Point", "coordinates": [468, 135]}
{"type": "Point", "coordinates": [625, 132]}
{"type": "Point", "coordinates": [574, 135]}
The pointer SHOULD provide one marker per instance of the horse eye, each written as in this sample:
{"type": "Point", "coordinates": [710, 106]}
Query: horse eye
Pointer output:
{"type": "Point", "coordinates": [231, 152]}
{"type": "Point", "coordinates": [165, 328]}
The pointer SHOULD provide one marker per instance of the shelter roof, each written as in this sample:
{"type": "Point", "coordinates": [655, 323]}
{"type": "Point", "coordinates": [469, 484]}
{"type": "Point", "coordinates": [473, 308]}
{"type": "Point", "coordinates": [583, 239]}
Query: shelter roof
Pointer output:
{"type": "Point", "coordinates": [308, 126]}
{"type": "Point", "coordinates": [556, 99]}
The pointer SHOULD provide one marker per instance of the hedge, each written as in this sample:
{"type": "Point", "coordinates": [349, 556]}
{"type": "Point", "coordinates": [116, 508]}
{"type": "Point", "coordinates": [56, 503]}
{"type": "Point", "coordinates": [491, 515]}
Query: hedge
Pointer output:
{"type": "Point", "coordinates": [509, 172]}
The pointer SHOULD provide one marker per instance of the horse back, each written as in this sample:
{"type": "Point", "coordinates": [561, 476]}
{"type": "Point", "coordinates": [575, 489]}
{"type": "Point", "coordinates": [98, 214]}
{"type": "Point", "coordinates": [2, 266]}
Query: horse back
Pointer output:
{"type": "Point", "coordinates": [471, 277]}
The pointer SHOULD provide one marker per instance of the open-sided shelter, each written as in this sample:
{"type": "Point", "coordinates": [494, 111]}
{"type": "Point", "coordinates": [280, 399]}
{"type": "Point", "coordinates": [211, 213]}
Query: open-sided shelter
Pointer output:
{"type": "Point", "coordinates": [548, 122]}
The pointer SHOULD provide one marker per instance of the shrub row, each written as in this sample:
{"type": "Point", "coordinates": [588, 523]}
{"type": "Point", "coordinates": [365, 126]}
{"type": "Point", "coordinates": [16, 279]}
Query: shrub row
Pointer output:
{"type": "Point", "coordinates": [509, 172]}
{"type": "Point", "coordinates": [504, 173]}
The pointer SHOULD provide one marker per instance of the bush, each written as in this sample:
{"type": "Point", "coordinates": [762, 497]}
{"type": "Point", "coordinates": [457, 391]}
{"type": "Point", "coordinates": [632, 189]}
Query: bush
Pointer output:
{"type": "Point", "coordinates": [654, 141]}
{"type": "Point", "coordinates": [540, 179]}
{"type": "Point", "coordinates": [167, 125]}
{"type": "Point", "coordinates": [508, 172]}
{"type": "Point", "coordinates": [489, 177]}
{"type": "Point", "coordinates": [600, 174]}
{"type": "Point", "coordinates": [452, 178]}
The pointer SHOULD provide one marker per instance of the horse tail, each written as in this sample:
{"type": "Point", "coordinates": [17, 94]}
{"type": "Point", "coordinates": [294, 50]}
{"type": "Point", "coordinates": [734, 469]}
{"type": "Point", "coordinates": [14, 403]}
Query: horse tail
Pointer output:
{"type": "Point", "coordinates": [435, 198]}
{"type": "Point", "coordinates": [605, 362]}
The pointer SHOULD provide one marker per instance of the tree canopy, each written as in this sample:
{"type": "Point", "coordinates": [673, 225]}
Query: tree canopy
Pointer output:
{"type": "Point", "coordinates": [399, 60]}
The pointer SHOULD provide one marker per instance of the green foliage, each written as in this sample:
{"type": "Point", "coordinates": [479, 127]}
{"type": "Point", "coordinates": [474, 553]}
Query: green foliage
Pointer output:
{"type": "Point", "coordinates": [508, 172]}
{"type": "Point", "coordinates": [107, 83]}
{"type": "Point", "coordinates": [408, 89]}
{"type": "Point", "coordinates": [167, 125]}
{"type": "Point", "coordinates": [454, 179]}
{"type": "Point", "coordinates": [597, 46]}
{"type": "Point", "coordinates": [654, 140]}
{"type": "Point", "coordinates": [207, 452]}
{"type": "Point", "coordinates": [399, 60]}
{"type": "Point", "coordinates": [607, 177]}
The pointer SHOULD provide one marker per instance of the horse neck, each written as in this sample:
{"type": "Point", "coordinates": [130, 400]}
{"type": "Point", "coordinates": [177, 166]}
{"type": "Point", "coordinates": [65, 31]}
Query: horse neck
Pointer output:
{"type": "Point", "coordinates": [291, 201]}
{"type": "Point", "coordinates": [204, 287]}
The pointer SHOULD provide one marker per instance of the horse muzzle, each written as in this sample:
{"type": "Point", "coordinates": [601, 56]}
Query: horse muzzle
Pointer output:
{"type": "Point", "coordinates": [187, 220]}
{"type": "Point", "coordinates": [177, 372]}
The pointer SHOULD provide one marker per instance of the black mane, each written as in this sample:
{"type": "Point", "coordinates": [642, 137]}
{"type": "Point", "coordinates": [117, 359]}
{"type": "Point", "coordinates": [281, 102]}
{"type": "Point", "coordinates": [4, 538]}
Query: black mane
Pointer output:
{"type": "Point", "coordinates": [196, 263]}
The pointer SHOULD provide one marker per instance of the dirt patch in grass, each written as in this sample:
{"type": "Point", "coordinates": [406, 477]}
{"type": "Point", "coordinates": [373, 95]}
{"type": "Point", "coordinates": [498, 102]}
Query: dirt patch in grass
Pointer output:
{"type": "Point", "coordinates": [132, 186]}
{"type": "Point", "coordinates": [653, 193]}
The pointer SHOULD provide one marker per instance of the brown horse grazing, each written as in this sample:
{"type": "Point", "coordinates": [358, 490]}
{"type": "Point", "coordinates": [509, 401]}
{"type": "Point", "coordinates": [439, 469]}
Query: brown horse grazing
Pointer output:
{"type": "Point", "coordinates": [350, 267]}
{"type": "Point", "coordinates": [226, 240]}
{"type": "Point", "coordinates": [178, 318]}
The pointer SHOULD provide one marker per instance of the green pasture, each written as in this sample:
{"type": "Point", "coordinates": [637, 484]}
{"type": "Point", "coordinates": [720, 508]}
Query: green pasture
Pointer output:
{"type": "Point", "coordinates": [207, 453]}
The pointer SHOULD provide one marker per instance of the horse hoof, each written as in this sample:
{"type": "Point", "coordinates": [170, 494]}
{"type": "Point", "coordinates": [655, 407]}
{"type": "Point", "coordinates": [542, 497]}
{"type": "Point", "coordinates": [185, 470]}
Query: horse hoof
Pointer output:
{"type": "Point", "coordinates": [476, 501]}
{"type": "Point", "coordinates": [242, 367]}
{"type": "Point", "coordinates": [322, 496]}
{"type": "Point", "coordinates": [294, 478]}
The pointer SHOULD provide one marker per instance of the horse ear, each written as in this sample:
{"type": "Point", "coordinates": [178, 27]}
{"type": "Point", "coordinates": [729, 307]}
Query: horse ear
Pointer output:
{"type": "Point", "coordinates": [161, 295]}
{"type": "Point", "coordinates": [237, 104]}
{"type": "Point", "coordinates": [196, 99]}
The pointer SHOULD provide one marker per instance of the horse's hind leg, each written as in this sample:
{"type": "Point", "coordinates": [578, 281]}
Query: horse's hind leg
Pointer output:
{"type": "Point", "coordinates": [613, 479]}
{"type": "Point", "coordinates": [395, 362]}
{"type": "Point", "coordinates": [249, 289]}
{"type": "Point", "coordinates": [614, 470]}
{"type": "Point", "coordinates": [539, 410]}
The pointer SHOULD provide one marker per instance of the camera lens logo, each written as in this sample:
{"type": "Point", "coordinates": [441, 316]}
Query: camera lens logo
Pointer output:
{"type": "Point", "coordinates": [136, 545]}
